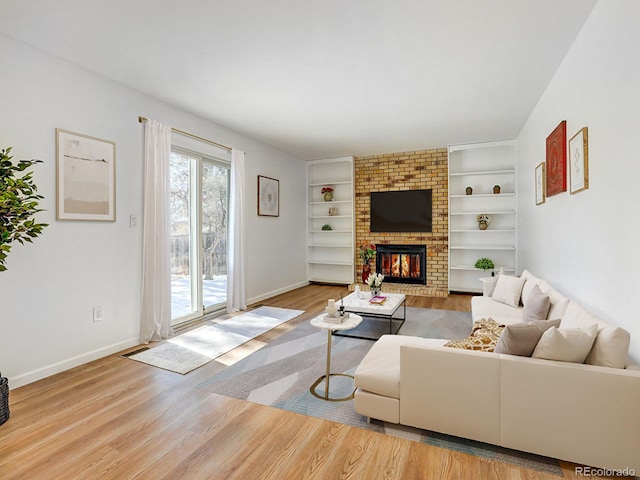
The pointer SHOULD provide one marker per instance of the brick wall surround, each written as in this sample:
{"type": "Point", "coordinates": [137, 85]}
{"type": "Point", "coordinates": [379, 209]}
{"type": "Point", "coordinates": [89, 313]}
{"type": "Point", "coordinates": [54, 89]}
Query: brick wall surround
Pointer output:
{"type": "Point", "coordinates": [407, 171]}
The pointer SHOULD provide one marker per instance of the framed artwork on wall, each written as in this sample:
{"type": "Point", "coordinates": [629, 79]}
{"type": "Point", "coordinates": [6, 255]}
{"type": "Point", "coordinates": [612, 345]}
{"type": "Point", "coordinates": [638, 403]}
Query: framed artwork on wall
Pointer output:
{"type": "Point", "coordinates": [85, 177]}
{"type": "Point", "coordinates": [268, 196]}
{"type": "Point", "coordinates": [579, 162]}
{"type": "Point", "coordinates": [556, 167]}
{"type": "Point", "coordinates": [541, 184]}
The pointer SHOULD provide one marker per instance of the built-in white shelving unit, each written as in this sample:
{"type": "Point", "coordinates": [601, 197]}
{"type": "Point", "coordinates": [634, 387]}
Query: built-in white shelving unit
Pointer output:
{"type": "Point", "coordinates": [330, 253]}
{"type": "Point", "coordinates": [481, 166]}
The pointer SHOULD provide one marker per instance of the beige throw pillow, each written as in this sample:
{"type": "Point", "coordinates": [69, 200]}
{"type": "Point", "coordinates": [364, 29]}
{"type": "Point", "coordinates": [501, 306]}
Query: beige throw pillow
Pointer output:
{"type": "Point", "coordinates": [508, 290]}
{"type": "Point", "coordinates": [522, 338]}
{"type": "Point", "coordinates": [610, 348]}
{"type": "Point", "coordinates": [566, 345]}
{"type": "Point", "coordinates": [537, 305]}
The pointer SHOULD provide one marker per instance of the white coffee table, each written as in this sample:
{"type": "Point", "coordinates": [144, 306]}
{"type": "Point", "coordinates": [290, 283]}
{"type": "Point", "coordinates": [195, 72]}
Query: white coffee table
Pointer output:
{"type": "Point", "coordinates": [351, 322]}
{"type": "Point", "coordinates": [387, 310]}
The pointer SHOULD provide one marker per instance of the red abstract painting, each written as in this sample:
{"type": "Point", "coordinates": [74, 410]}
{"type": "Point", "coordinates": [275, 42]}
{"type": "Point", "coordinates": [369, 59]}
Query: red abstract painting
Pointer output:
{"type": "Point", "coordinates": [557, 160]}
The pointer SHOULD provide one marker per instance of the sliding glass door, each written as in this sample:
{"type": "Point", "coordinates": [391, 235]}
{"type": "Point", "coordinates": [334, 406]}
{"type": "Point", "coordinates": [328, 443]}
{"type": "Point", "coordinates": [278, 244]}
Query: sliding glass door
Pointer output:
{"type": "Point", "coordinates": [199, 208]}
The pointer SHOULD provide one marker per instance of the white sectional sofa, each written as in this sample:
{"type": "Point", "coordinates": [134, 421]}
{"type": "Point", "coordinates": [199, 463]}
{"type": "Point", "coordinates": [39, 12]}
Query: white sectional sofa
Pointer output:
{"type": "Point", "coordinates": [583, 413]}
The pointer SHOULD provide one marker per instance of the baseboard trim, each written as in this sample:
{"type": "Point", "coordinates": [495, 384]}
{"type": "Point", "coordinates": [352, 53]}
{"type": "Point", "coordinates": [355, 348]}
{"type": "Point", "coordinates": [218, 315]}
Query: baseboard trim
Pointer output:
{"type": "Point", "coordinates": [44, 372]}
{"type": "Point", "coordinates": [279, 291]}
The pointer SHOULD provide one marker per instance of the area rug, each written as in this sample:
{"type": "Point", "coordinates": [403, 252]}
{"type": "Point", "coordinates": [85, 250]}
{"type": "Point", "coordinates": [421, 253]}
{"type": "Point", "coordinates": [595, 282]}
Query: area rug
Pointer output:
{"type": "Point", "coordinates": [195, 348]}
{"type": "Point", "coordinates": [281, 373]}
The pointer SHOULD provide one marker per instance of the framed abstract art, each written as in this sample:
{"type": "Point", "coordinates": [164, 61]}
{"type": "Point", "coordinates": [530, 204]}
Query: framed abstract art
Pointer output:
{"type": "Point", "coordinates": [541, 184]}
{"type": "Point", "coordinates": [268, 197]}
{"type": "Point", "coordinates": [556, 167]}
{"type": "Point", "coordinates": [579, 162]}
{"type": "Point", "coordinates": [86, 177]}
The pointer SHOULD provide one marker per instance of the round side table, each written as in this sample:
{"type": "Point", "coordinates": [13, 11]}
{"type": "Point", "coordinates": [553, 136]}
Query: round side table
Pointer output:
{"type": "Point", "coordinates": [351, 322]}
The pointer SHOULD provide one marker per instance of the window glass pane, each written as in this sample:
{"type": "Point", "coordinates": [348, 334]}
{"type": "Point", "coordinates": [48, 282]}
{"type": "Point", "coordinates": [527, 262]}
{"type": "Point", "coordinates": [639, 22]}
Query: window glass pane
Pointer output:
{"type": "Point", "coordinates": [180, 208]}
{"type": "Point", "coordinates": [215, 183]}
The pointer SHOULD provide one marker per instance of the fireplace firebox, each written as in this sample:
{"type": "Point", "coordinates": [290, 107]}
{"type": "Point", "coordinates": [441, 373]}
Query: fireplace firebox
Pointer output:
{"type": "Point", "coordinates": [402, 263]}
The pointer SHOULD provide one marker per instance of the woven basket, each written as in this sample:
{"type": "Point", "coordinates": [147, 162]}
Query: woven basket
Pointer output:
{"type": "Point", "coordinates": [4, 400]}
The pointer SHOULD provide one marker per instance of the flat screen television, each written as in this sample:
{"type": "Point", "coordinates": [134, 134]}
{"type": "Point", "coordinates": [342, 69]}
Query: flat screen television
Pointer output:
{"type": "Point", "coordinates": [401, 211]}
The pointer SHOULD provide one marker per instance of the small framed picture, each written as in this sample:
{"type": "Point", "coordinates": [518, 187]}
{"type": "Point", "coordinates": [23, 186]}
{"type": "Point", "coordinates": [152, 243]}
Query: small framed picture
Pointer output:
{"type": "Point", "coordinates": [85, 177]}
{"type": "Point", "coordinates": [579, 162]}
{"type": "Point", "coordinates": [268, 196]}
{"type": "Point", "coordinates": [541, 184]}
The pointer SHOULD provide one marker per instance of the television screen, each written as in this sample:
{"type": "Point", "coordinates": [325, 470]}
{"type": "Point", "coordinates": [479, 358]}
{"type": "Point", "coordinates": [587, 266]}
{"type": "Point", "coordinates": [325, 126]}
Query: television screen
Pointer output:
{"type": "Point", "coordinates": [403, 211]}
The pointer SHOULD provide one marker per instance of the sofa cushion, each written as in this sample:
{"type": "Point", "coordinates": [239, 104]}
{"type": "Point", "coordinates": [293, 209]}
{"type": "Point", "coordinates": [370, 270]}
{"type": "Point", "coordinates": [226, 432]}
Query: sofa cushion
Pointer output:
{"type": "Point", "coordinates": [536, 307]}
{"type": "Point", "coordinates": [508, 290]}
{"type": "Point", "coordinates": [484, 307]}
{"type": "Point", "coordinates": [566, 345]}
{"type": "Point", "coordinates": [577, 317]}
{"type": "Point", "coordinates": [610, 348]}
{"type": "Point", "coordinates": [489, 285]}
{"type": "Point", "coordinates": [521, 338]}
{"type": "Point", "coordinates": [559, 302]}
{"type": "Point", "coordinates": [379, 370]}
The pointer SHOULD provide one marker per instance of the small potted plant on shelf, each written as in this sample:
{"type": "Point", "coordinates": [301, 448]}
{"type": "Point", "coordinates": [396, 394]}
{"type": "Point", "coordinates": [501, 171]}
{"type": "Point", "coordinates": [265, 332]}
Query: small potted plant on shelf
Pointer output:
{"type": "Point", "coordinates": [326, 227]}
{"type": "Point", "coordinates": [496, 189]}
{"type": "Point", "coordinates": [327, 193]}
{"type": "Point", "coordinates": [485, 264]}
{"type": "Point", "coordinates": [483, 221]}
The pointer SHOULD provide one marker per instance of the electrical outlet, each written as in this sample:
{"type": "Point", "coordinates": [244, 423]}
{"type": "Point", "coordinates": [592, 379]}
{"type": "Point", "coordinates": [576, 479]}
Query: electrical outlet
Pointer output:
{"type": "Point", "coordinates": [133, 221]}
{"type": "Point", "coordinates": [97, 314]}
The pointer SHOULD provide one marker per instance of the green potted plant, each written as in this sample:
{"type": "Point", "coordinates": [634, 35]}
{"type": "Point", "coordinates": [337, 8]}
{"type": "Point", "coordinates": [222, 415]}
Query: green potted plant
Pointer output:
{"type": "Point", "coordinates": [485, 264]}
{"type": "Point", "coordinates": [18, 204]}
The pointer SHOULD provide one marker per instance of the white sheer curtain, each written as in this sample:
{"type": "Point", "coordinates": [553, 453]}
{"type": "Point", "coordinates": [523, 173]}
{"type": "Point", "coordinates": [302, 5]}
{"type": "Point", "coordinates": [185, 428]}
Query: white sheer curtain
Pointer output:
{"type": "Point", "coordinates": [235, 263]}
{"type": "Point", "coordinates": [155, 319]}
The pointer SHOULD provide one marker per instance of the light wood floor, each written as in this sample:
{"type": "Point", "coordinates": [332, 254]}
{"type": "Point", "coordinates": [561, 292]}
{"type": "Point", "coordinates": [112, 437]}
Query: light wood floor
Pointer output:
{"type": "Point", "coordinates": [120, 419]}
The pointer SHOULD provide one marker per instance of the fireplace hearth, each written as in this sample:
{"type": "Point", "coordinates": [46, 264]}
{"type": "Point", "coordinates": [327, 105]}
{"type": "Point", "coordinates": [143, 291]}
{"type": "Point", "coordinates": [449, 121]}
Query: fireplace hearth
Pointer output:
{"type": "Point", "coordinates": [402, 263]}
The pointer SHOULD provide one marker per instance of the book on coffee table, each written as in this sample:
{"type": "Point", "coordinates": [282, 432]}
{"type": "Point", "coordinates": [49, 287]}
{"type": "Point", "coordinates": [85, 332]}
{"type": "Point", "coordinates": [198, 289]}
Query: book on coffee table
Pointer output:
{"type": "Point", "coordinates": [378, 300]}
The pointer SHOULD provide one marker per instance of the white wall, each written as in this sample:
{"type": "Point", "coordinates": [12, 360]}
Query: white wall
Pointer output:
{"type": "Point", "coordinates": [587, 244]}
{"type": "Point", "coordinates": [50, 287]}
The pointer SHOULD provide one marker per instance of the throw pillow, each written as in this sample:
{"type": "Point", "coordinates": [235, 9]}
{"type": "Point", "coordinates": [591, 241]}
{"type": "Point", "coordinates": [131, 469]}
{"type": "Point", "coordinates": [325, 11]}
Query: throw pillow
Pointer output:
{"type": "Point", "coordinates": [566, 345]}
{"type": "Point", "coordinates": [521, 338]}
{"type": "Point", "coordinates": [610, 348]}
{"type": "Point", "coordinates": [483, 337]}
{"type": "Point", "coordinates": [537, 305]}
{"type": "Point", "coordinates": [529, 283]}
{"type": "Point", "coordinates": [508, 290]}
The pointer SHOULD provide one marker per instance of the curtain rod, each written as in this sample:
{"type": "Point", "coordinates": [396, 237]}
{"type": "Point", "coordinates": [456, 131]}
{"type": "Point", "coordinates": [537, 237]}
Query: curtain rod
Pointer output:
{"type": "Point", "coordinates": [182, 132]}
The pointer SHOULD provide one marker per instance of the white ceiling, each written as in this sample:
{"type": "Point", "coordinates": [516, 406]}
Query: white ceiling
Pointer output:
{"type": "Point", "coordinates": [321, 78]}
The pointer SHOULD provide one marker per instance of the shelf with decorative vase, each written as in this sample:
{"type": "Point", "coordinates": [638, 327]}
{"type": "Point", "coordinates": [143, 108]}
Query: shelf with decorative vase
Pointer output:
{"type": "Point", "coordinates": [330, 252]}
{"type": "Point", "coordinates": [482, 210]}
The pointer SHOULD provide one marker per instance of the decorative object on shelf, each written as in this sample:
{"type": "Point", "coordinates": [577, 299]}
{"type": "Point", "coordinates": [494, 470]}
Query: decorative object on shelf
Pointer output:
{"type": "Point", "coordinates": [496, 189]}
{"type": "Point", "coordinates": [18, 205]}
{"type": "Point", "coordinates": [541, 184]}
{"type": "Point", "coordinates": [557, 160]}
{"type": "Point", "coordinates": [333, 211]}
{"type": "Point", "coordinates": [86, 177]}
{"type": "Point", "coordinates": [375, 283]}
{"type": "Point", "coordinates": [327, 193]}
{"type": "Point", "coordinates": [485, 264]}
{"type": "Point", "coordinates": [268, 196]}
{"type": "Point", "coordinates": [468, 190]}
{"type": "Point", "coordinates": [483, 221]}
{"type": "Point", "coordinates": [579, 162]}
{"type": "Point", "coordinates": [327, 227]}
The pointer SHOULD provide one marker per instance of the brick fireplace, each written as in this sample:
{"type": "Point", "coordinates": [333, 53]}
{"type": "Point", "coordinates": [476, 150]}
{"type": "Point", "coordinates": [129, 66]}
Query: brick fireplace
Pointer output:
{"type": "Point", "coordinates": [413, 170]}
